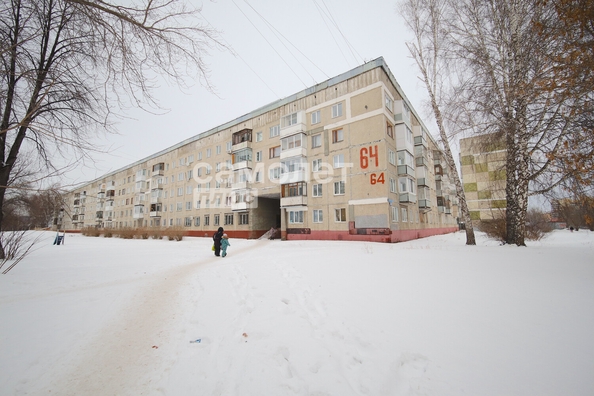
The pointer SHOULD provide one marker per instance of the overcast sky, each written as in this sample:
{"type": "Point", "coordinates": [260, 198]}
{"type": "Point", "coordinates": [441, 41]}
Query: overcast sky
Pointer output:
{"type": "Point", "coordinates": [281, 47]}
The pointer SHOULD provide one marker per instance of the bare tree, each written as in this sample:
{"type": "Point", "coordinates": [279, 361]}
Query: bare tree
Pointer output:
{"type": "Point", "coordinates": [68, 67]}
{"type": "Point", "coordinates": [426, 19]}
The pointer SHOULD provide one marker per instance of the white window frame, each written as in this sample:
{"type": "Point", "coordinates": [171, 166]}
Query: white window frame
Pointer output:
{"type": "Point", "coordinates": [337, 110]}
{"type": "Point", "coordinates": [315, 117]}
{"type": "Point", "coordinates": [318, 216]}
{"type": "Point", "coordinates": [339, 187]}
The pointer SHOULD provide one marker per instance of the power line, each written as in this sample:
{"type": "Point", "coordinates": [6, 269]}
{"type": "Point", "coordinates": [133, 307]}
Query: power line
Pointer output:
{"type": "Point", "coordinates": [243, 60]}
{"type": "Point", "coordinates": [289, 41]}
{"type": "Point", "coordinates": [330, 30]}
{"type": "Point", "coordinates": [351, 48]}
{"type": "Point", "coordinates": [274, 49]}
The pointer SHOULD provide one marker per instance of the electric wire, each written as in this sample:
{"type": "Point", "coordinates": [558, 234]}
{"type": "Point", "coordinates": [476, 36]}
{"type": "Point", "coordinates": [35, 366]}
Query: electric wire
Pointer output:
{"type": "Point", "coordinates": [274, 49]}
{"type": "Point", "coordinates": [275, 31]}
{"type": "Point", "coordinates": [243, 60]}
{"type": "Point", "coordinates": [320, 11]}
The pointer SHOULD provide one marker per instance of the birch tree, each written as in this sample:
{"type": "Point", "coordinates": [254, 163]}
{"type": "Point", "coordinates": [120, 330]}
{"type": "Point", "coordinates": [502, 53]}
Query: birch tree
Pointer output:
{"type": "Point", "coordinates": [69, 66]}
{"type": "Point", "coordinates": [425, 18]}
{"type": "Point", "coordinates": [506, 62]}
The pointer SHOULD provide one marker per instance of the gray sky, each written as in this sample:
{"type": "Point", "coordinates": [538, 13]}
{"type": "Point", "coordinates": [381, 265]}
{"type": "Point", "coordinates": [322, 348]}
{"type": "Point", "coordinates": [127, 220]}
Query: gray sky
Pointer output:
{"type": "Point", "coordinates": [281, 47]}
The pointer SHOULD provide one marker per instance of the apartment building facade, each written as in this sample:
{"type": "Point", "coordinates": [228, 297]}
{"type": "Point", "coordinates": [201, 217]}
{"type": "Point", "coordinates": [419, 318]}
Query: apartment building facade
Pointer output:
{"type": "Point", "coordinates": [482, 160]}
{"type": "Point", "coordinates": [345, 159]}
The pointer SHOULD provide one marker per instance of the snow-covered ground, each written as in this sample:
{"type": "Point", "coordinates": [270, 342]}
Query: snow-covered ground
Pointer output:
{"type": "Point", "coordinates": [428, 317]}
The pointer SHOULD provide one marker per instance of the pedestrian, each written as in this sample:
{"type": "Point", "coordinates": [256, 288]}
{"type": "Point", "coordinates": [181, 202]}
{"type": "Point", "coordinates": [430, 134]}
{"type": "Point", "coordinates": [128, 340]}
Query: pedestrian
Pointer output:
{"type": "Point", "coordinates": [224, 245]}
{"type": "Point", "coordinates": [217, 241]}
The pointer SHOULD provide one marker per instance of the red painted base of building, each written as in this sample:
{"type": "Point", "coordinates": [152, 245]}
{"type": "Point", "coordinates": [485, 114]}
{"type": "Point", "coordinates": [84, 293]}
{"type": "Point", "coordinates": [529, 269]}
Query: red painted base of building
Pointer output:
{"type": "Point", "coordinates": [395, 236]}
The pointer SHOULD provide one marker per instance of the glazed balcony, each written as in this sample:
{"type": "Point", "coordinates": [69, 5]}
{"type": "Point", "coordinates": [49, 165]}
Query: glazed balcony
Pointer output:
{"type": "Point", "coordinates": [407, 198]}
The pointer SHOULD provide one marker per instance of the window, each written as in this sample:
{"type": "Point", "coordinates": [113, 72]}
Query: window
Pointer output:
{"type": "Point", "coordinates": [315, 117]}
{"type": "Point", "coordinates": [200, 156]}
{"type": "Point", "coordinates": [258, 156]}
{"type": "Point", "coordinates": [188, 221]}
{"type": "Point", "coordinates": [180, 191]}
{"type": "Point", "coordinates": [208, 153]}
{"type": "Point", "coordinates": [274, 173]}
{"type": "Point", "coordinates": [339, 188]}
{"type": "Point", "coordinates": [316, 140]}
{"type": "Point", "coordinates": [188, 190]}
{"type": "Point", "coordinates": [337, 136]}
{"type": "Point", "coordinates": [318, 215]}
{"type": "Point", "coordinates": [198, 204]}
{"type": "Point", "coordinates": [228, 218]}
{"type": "Point", "coordinates": [190, 159]}
{"type": "Point", "coordinates": [188, 205]}
{"type": "Point", "coordinates": [394, 214]}
{"type": "Point", "coordinates": [337, 110]}
{"type": "Point", "coordinates": [339, 161]}
{"type": "Point", "coordinates": [206, 220]}
{"type": "Point", "coordinates": [180, 176]}
{"type": "Point", "coordinates": [229, 146]}
{"type": "Point", "coordinates": [317, 190]}
{"type": "Point", "coordinates": [274, 152]}
{"type": "Point", "coordinates": [390, 130]}
{"type": "Point", "coordinates": [258, 136]}
{"type": "Point", "coordinates": [170, 222]}
{"type": "Point", "coordinates": [389, 103]}
{"type": "Point", "coordinates": [244, 218]}
{"type": "Point", "coordinates": [197, 221]}
{"type": "Point", "coordinates": [296, 217]}
{"type": "Point", "coordinates": [219, 149]}
{"type": "Point", "coordinates": [340, 215]}
{"type": "Point", "coordinates": [289, 120]}
{"type": "Point", "coordinates": [409, 135]}
{"type": "Point", "coordinates": [404, 214]}
{"type": "Point", "coordinates": [179, 206]}
{"type": "Point", "coordinates": [391, 157]}
{"type": "Point", "coordinates": [258, 177]}
{"type": "Point", "coordinates": [316, 165]}
{"type": "Point", "coordinates": [393, 186]}
{"type": "Point", "coordinates": [217, 219]}
{"type": "Point", "coordinates": [275, 131]}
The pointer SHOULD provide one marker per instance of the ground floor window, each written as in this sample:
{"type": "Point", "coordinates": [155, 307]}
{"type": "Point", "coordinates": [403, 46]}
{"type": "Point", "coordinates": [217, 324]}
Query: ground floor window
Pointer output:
{"type": "Point", "coordinates": [394, 214]}
{"type": "Point", "coordinates": [217, 219]}
{"type": "Point", "coordinates": [340, 215]}
{"type": "Point", "coordinates": [228, 218]}
{"type": "Point", "coordinates": [188, 221]}
{"type": "Point", "coordinates": [318, 215]}
{"type": "Point", "coordinates": [296, 217]}
{"type": "Point", "coordinates": [197, 221]}
{"type": "Point", "coordinates": [206, 220]}
{"type": "Point", "coordinates": [243, 218]}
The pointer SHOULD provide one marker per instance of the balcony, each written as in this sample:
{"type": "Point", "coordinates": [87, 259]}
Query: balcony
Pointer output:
{"type": "Point", "coordinates": [158, 170]}
{"type": "Point", "coordinates": [401, 112]}
{"type": "Point", "coordinates": [109, 205]}
{"type": "Point", "coordinates": [300, 200]}
{"type": "Point", "coordinates": [424, 204]}
{"type": "Point", "coordinates": [240, 206]}
{"type": "Point", "coordinates": [99, 215]}
{"type": "Point", "coordinates": [155, 213]}
{"type": "Point", "coordinates": [101, 195]}
{"type": "Point", "coordinates": [448, 211]}
{"type": "Point", "coordinates": [292, 123]}
{"type": "Point", "coordinates": [420, 141]}
{"type": "Point", "coordinates": [407, 198]}
{"type": "Point", "coordinates": [405, 170]}
{"type": "Point", "coordinates": [138, 212]}
{"type": "Point", "coordinates": [240, 185]}
{"type": "Point", "coordinates": [246, 164]}
{"type": "Point", "coordinates": [156, 195]}
{"type": "Point", "coordinates": [241, 140]}
{"type": "Point", "coordinates": [441, 209]}
{"type": "Point", "coordinates": [422, 182]}
{"type": "Point", "coordinates": [421, 161]}
{"type": "Point", "coordinates": [293, 177]}
{"type": "Point", "coordinates": [76, 203]}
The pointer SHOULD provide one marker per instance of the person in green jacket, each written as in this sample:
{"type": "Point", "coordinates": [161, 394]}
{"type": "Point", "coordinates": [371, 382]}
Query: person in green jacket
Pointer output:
{"type": "Point", "coordinates": [224, 245]}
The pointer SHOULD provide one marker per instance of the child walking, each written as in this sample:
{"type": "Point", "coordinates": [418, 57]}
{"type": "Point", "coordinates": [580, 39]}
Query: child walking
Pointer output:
{"type": "Point", "coordinates": [224, 245]}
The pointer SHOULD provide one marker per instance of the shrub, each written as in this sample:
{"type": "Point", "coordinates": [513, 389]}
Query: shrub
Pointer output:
{"type": "Point", "coordinates": [174, 233]}
{"type": "Point", "coordinates": [108, 232]}
{"type": "Point", "coordinates": [156, 233]}
{"type": "Point", "coordinates": [126, 233]}
{"type": "Point", "coordinates": [537, 225]}
{"type": "Point", "coordinates": [495, 229]}
{"type": "Point", "coordinates": [143, 233]}
{"type": "Point", "coordinates": [91, 231]}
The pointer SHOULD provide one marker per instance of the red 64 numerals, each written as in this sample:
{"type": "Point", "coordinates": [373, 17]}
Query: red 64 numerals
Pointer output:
{"type": "Point", "coordinates": [366, 157]}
